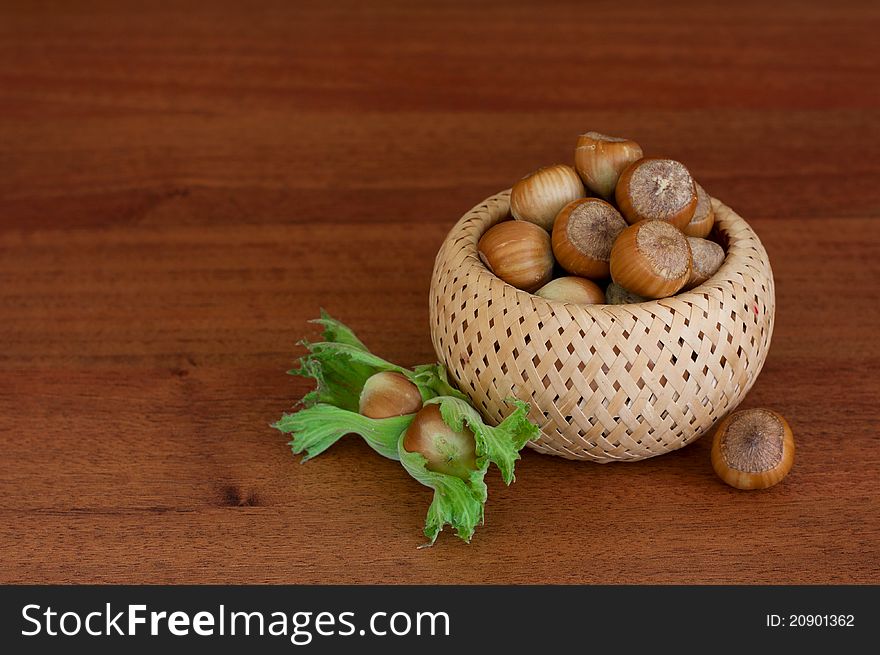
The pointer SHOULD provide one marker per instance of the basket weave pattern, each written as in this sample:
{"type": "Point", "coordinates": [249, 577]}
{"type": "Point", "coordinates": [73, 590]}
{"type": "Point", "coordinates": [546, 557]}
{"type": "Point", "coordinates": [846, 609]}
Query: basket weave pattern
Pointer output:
{"type": "Point", "coordinates": [606, 382]}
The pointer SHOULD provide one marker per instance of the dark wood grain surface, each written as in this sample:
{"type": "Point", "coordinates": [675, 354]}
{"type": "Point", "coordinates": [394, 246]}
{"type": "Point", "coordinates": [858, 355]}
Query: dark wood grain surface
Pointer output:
{"type": "Point", "coordinates": [181, 189]}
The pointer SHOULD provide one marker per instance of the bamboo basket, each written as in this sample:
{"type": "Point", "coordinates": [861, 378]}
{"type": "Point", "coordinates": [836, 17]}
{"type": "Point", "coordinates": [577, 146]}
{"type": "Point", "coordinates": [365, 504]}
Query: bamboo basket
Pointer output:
{"type": "Point", "coordinates": [605, 382]}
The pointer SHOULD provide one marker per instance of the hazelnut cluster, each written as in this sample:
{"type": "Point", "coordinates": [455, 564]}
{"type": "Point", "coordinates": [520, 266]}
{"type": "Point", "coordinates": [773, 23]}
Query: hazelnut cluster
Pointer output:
{"type": "Point", "coordinates": [641, 235]}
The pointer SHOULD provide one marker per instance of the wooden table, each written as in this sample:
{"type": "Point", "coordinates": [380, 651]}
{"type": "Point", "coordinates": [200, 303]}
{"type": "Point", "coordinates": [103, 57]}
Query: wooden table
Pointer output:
{"type": "Point", "coordinates": [182, 189]}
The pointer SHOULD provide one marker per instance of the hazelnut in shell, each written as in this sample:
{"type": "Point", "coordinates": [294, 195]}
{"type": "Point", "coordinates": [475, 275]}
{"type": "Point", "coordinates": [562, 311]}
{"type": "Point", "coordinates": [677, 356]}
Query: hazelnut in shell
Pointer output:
{"type": "Point", "coordinates": [656, 189]}
{"type": "Point", "coordinates": [707, 257]}
{"type": "Point", "coordinates": [617, 295]}
{"type": "Point", "coordinates": [389, 393]}
{"type": "Point", "coordinates": [575, 290]}
{"type": "Point", "coordinates": [701, 222]}
{"type": "Point", "coordinates": [539, 196]}
{"type": "Point", "coordinates": [519, 253]}
{"type": "Point", "coordinates": [446, 450]}
{"type": "Point", "coordinates": [651, 259]}
{"type": "Point", "coordinates": [599, 160]}
{"type": "Point", "coordinates": [583, 234]}
{"type": "Point", "coordinates": [753, 449]}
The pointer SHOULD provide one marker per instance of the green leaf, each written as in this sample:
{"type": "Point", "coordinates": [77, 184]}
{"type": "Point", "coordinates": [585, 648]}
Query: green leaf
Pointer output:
{"type": "Point", "coordinates": [340, 371]}
{"type": "Point", "coordinates": [316, 428]}
{"type": "Point", "coordinates": [433, 378]}
{"type": "Point", "coordinates": [341, 365]}
{"type": "Point", "coordinates": [499, 445]}
{"type": "Point", "coordinates": [460, 503]}
{"type": "Point", "coordinates": [456, 502]}
{"type": "Point", "coordinates": [338, 332]}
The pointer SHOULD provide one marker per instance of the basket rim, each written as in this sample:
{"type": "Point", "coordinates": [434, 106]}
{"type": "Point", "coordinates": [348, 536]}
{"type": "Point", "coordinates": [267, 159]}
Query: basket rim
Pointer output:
{"type": "Point", "coordinates": [739, 235]}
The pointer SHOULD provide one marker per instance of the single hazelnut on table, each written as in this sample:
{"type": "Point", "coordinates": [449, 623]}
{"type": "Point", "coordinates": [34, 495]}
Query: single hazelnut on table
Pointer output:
{"type": "Point", "coordinates": [388, 394]}
{"type": "Point", "coordinates": [651, 259]}
{"type": "Point", "coordinates": [539, 196]}
{"type": "Point", "coordinates": [575, 290]}
{"type": "Point", "coordinates": [617, 295]}
{"type": "Point", "coordinates": [706, 257]}
{"type": "Point", "coordinates": [701, 222]}
{"type": "Point", "coordinates": [657, 189]}
{"type": "Point", "coordinates": [519, 253]}
{"type": "Point", "coordinates": [753, 449]}
{"type": "Point", "coordinates": [583, 234]}
{"type": "Point", "coordinates": [599, 160]}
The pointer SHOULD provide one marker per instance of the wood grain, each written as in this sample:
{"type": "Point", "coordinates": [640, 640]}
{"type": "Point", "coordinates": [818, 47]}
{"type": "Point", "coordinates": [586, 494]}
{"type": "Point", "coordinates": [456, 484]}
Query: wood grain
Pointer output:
{"type": "Point", "coordinates": [182, 189]}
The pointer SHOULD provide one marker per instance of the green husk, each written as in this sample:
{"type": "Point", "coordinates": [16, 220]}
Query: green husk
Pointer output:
{"type": "Point", "coordinates": [314, 429]}
{"type": "Point", "coordinates": [341, 365]}
{"type": "Point", "coordinates": [461, 503]}
{"type": "Point", "coordinates": [456, 502]}
{"type": "Point", "coordinates": [499, 445]}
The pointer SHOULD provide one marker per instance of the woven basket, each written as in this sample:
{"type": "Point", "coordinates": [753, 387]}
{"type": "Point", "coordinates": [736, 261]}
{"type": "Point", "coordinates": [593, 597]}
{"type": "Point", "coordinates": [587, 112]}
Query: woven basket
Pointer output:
{"type": "Point", "coordinates": [606, 382]}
